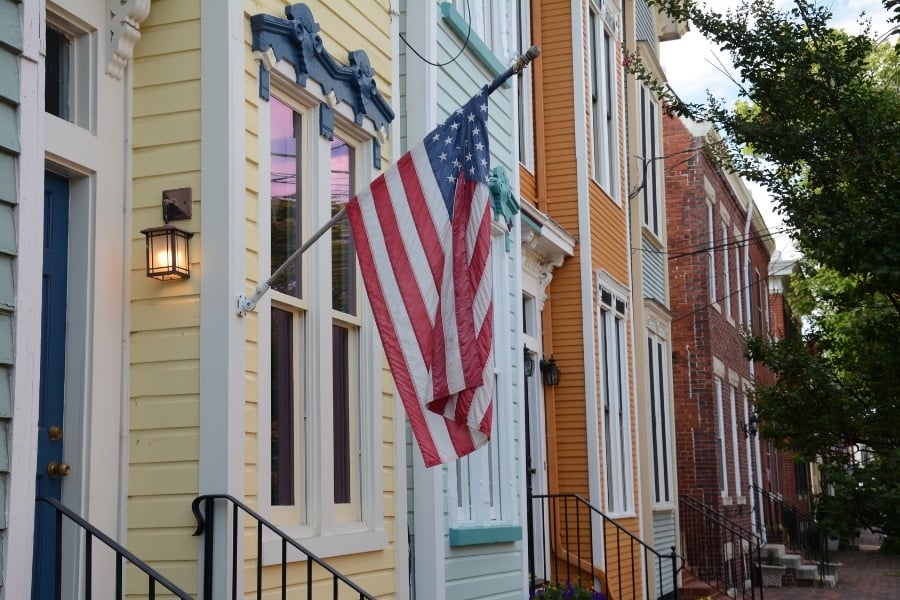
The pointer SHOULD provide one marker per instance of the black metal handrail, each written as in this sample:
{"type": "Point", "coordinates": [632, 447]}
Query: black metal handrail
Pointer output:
{"type": "Point", "coordinates": [91, 533]}
{"type": "Point", "coordinates": [719, 552]}
{"type": "Point", "coordinates": [205, 521]}
{"type": "Point", "coordinates": [568, 520]}
{"type": "Point", "coordinates": [798, 530]}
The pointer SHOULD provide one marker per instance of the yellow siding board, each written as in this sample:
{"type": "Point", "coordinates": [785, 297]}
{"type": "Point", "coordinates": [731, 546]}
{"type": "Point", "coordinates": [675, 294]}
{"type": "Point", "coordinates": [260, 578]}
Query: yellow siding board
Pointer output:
{"type": "Point", "coordinates": [174, 97]}
{"type": "Point", "coordinates": [155, 412]}
{"type": "Point", "coordinates": [170, 38]}
{"type": "Point", "coordinates": [161, 511]}
{"type": "Point", "coordinates": [164, 478]}
{"type": "Point", "coordinates": [172, 11]}
{"type": "Point", "coordinates": [165, 345]}
{"type": "Point", "coordinates": [165, 379]}
{"type": "Point", "coordinates": [172, 128]}
{"type": "Point", "coordinates": [168, 68]}
{"type": "Point", "coordinates": [163, 543]}
{"type": "Point", "coordinates": [164, 445]}
{"type": "Point", "coordinates": [181, 573]}
{"type": "Point", "coordinates": [171, 158]}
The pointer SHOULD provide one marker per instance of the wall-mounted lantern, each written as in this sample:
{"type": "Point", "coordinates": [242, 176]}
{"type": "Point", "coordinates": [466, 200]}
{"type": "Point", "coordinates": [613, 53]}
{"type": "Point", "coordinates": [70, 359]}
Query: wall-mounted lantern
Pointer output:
{"type": "Point", "coordinates": [550, 372]}
{"type": "Point", "coordinates": [168, 254]}
{"type": "Point", "coordinates": [529, 363]}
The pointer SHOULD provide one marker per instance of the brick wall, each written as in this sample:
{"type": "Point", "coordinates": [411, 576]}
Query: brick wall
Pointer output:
{"type": "Point", "coordinates": [707, 342]}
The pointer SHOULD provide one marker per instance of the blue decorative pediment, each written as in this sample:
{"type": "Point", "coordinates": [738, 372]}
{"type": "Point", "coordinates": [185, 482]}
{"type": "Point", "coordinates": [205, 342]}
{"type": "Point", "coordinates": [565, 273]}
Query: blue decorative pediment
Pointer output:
{"type": "Point", "coordinates": [296, 39]}
{"type": "Point", "coordinates": [503, 200]}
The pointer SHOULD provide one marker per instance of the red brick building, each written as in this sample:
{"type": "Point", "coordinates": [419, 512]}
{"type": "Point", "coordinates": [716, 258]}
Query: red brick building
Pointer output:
{"type": "Point", "coordinates": [719, 255]}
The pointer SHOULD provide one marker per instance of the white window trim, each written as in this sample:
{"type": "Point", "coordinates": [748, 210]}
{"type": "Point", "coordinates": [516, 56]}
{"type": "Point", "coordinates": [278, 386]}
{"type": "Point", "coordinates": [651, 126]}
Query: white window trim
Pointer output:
{"type": "Point", "coordinates": [726, 274]}
{"type": "Point", "coordinates": [664, 441]}
{"type": "Point", "coordinates": [739, 287]}
{"type": "Point", "coordinates": [322, 532]}
{"type": "Point", "coordinates": [711, 254]}
{"type": "Point", "coordinates": [620, 478]}
{"type": "Point", "coordinates": [720, 438]}
{"type": "Point", "coordinates": [525, 81]}
{"type": "Point", "coordinates": [605, 134]}
{"type": "Point", "coordinates": [736, 459]}
{"type": "Point", "coordinates": [504, 510]}
{"type": "Point", "coordinates": [82, 67]}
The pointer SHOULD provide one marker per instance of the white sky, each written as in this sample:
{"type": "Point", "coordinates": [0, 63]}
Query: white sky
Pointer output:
{"type": "Point", "coordinates": [692, 66]}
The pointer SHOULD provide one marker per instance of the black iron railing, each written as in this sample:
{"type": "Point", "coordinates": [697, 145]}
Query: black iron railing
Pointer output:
{"type": "Point", "coordinates": [156, 583]}
{"type": "Point", "coordinates": [333, 582]}
{"type": "Point", "coordinates": [718, 551]}
{"type": "Point", "coordinates": [619, 564]}
{"type": "Point", "coordinates": [786, 524]}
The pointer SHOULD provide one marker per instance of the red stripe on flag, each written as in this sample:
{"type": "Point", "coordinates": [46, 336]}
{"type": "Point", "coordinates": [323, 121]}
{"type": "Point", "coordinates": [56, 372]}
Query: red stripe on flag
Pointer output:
{"type": "Point", "coordinates": [402, 377]}
{"type": "Point", "coordinates": [402, 268]}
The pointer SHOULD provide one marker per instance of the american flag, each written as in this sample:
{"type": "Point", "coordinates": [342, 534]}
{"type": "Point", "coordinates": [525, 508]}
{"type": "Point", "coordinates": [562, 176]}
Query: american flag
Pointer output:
{"type": "Point", "coordinates": [422, 233]}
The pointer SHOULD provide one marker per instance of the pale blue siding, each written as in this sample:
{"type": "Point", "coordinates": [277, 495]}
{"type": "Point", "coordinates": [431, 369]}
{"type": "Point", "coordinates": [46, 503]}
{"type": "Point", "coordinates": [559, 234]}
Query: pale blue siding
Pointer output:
{"type": "Point", "coordinates": [10, 48]}
{"type": "Point", "coordinates": [663, 542]}
{"type": "Point", "coordinates": [477, 570]}
{"type": "Point", "coordinates": [646, 32]}
{"type": "Point", "coordinates": [654, 271]}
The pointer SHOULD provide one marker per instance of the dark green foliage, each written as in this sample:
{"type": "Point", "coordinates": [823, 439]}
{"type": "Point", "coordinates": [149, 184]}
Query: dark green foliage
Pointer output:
{"type": "Point", "coordinates": [817, 123]}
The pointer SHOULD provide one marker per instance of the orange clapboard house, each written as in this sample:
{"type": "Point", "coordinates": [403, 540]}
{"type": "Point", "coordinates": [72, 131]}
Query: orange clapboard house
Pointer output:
{"type": "Point", "coordinates": [592, 519]}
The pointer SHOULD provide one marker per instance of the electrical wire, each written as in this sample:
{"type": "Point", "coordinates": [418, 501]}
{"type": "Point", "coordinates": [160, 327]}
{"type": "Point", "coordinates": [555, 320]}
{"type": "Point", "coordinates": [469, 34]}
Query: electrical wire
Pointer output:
{"type": "Point", "coordinates": [458, 54]}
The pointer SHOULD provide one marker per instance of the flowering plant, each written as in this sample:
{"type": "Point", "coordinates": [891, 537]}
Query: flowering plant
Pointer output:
{"type": "Point", "coordinates": [566, 591]}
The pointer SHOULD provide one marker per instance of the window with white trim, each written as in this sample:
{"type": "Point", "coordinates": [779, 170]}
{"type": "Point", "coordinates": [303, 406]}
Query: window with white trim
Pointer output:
{"type": "Point", "coordinates": [615, 398]}
{"type": "Point", "coordinates": [720, 439]}
{"type": "Point", "coordinates": [736, 458]}
{"type": "Point", "coordinates": [739, 285]}
{"type": "Point", "coordinates": [323, 397]}
{"type": "Point", "coordinates": [69, 71]}
{"type": "Point", "coordinates": [488, 19]}
{"type": "Point", "coordinates": [658, 385]}
{"type": "Point", "coordinates": [482, 498]}
{"type": "Point", "coordinates": [726, 272]}
{"type": "Point", "coordinates": [604, 128]}
{"type": "Point", "coordinates": [711, 250]}
{"type": "Point", "coordinates": [651, 178]}
{"type": "Point", "coordinates": [525, 87]}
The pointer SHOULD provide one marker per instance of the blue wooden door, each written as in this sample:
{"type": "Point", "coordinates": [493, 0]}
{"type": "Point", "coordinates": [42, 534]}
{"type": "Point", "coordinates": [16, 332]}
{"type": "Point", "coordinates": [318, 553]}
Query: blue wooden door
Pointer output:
{"type": "Point", "coordinates": [51, 468]}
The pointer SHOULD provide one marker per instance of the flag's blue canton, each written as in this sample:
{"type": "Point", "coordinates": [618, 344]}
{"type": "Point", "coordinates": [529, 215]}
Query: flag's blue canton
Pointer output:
{"type": "Point", "coordinates": [460, 144]}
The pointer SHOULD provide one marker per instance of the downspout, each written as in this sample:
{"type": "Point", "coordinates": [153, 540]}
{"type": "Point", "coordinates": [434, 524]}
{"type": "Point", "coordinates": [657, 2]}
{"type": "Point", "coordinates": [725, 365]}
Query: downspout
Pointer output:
{"type": "Point", "coordinates": [754, 499]}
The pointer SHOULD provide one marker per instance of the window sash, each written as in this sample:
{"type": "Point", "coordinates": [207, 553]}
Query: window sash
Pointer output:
{"type": "Point", "coordinates": [337, 442]}
{"type": "Point", "coordinates": [659, 414]}
{"type": "Point", "coordinates": [720, 439]}
{"type": "Point", "coordinates": [617, 427]}
{"type": "Point", "coordinates": [711, 251]}
{"type": "Point", "coordinates": [726, 271]}
{"type": "Point", "coordinates": [603, 105]}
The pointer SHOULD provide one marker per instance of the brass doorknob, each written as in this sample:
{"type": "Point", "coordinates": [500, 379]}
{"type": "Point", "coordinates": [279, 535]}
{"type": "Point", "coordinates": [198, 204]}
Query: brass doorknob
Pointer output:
{"type": "Point", "coordinates": [58, 469]}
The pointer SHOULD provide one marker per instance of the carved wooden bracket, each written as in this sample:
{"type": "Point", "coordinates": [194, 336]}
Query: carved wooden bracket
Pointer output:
{"type": "Point", "coordinates": [124, 24]}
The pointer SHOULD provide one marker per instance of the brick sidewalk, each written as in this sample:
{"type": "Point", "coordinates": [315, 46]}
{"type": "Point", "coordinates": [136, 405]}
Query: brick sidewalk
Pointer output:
{"type": "Point", "coordinates": [866, 574]}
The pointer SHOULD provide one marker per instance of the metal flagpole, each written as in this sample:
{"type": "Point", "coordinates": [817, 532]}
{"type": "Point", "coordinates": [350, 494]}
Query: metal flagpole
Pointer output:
{"type": "Point", "coordinates": [246, 304]}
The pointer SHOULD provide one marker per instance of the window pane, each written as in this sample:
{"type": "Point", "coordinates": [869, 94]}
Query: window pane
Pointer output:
{"type": "Point", "coordinates": [343, 253]}
{"type": "Point", "coordinates": [285, 194]}
{"type": "Point", "coordinates": [341, 414]}
{"type": "Point", "coordinates": [282, 409]}
{"type": "Point", "coordinates": [56, 92]}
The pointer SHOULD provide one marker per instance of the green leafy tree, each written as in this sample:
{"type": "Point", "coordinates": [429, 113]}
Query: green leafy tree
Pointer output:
{"type": "Point", "coordinates": [835, 397]}
{"type": "Point", "coordinates": [816, 124]}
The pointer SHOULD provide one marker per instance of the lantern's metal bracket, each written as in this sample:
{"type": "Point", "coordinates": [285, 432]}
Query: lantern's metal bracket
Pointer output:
{"type": "Point", "coordinates": [176, 204]}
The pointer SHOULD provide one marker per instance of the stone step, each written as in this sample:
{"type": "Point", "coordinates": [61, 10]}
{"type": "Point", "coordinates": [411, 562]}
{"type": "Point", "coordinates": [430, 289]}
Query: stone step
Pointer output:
{"type": "Point", "coordinates": [791, 561]}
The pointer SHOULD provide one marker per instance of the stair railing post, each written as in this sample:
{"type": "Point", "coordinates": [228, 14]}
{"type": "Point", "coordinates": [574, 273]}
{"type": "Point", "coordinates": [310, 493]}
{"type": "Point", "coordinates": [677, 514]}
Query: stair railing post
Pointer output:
{"type": "Point", "coordinates": [674, 558]}
{"type": "Point", "coordinates": [208, 545]}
